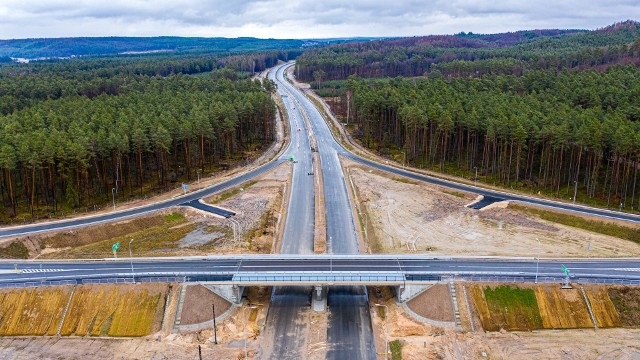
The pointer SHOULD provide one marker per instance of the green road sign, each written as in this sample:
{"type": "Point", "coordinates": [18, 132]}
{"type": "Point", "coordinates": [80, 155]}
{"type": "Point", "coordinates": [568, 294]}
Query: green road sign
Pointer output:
{"type": "Point", "coordinates": [291, 158]}
{"type": "Point", "coordinates": [115, 247]}
{"type": "Point", "coordinates": [566, 271]}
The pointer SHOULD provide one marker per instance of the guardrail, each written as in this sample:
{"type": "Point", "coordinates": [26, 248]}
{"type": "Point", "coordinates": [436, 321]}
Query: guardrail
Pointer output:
{"type": "Point", "coordinates": [118, 280]}
{"type": "Point", "coordinates": [304, 278]}
{"type": "Point", "coordinates": [545, 279]}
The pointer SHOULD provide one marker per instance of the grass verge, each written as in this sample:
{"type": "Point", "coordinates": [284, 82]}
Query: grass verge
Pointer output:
{"type": "Point", "coordinates": [395, 347]}
{"type": "Point", "coordinates": [455, 193]}
{"type": "Point", "coordinates": [228, 194]}
{"type": "Point", "coordinates": [506, 307]}
{"type": "Point", "coordinates": [15, 250]}
{"type": "Point", "coordinates": [600, 227]}
{"type": "Point", "coordinates": [34, 311]}
{"type": "Point", "coordinates": [152, 236]}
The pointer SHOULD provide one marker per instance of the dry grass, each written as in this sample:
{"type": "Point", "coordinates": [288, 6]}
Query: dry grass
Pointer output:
{"type": "Point", "coordinates": [150, 236]}
{"type": "Point", "coordinates": [35, 311]}
{"type": "Point", "coordinates": [562, 309]}
{"type": "Point", "coordinates": [627, 303]}
{"type": "Point", "coordinates": [123, 310]}
{"type": "Point", "coordinates": [15, 250]}
{"type": "Point", "coordinates": [102, 232]}
{"type": "Point", "coordinates": [603, 309]}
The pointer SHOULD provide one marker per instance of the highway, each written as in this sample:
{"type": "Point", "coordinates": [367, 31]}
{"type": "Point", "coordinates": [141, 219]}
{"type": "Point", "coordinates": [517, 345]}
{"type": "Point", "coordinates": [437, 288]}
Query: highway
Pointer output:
{"type": "Point", "coordinates": [350, 334]}
{"type": "Point", "coordinates": [283, 329]}
{"type": "Point", "coordinates": [224, 268]}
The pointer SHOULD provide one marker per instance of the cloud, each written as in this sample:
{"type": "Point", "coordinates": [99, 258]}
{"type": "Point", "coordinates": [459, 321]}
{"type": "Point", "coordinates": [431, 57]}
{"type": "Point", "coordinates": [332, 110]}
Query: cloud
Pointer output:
{"type": "Point", "coordinates": [300, 19]}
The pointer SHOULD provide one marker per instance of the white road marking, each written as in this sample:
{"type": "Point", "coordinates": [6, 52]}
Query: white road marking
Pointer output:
{"type": "Point", "coordinates": [39, 270]}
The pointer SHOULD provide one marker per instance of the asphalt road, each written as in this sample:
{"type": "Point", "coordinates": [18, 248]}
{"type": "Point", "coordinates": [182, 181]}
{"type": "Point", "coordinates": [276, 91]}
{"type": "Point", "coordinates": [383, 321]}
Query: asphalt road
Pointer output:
{"type": "Point", "coordinates": [297, 264]}
{"type": "Point", "coordinates": [349, 334]}
{"type": "Point", "coordinates": [196, 204]}
{"type": "Point", "coordinates": [117, 215]}
{"type": "Point", "coordinates": [496, 194]}
{"type": "Point", "coordinates": [284, 328]}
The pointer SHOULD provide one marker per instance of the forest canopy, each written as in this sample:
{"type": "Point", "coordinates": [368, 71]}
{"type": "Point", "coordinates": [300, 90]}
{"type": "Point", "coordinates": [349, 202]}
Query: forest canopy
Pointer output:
{"type": "Point", "coordinates": [75, 133]}
{"type": "Point", "coordinates": [549, 112]}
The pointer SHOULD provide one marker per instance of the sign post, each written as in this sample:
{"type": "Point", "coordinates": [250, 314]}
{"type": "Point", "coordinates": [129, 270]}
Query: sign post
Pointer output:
{"type": "Point", "coordinates": [567, 276]}
{"type": "Point", "coordinates": [115, 248]}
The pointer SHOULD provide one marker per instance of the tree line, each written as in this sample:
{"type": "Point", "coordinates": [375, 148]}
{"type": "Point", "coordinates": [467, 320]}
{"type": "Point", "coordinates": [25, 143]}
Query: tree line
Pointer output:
{"type": "Point", "coordinates": [66, 142]}
{"type": "Point", "coordinates": [548, 131]}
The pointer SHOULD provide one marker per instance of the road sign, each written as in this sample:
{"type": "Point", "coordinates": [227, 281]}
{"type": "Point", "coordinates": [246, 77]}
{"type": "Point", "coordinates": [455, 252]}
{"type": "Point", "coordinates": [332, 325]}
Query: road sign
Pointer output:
{"type": "Point", "coordinates": [185, 187]}
{"type": "Point", "coordinates": [115, 247]}
{"type": "Point", "coordinates": [566, 271]}
{"type": "Point", "coordinates": [291, 158]}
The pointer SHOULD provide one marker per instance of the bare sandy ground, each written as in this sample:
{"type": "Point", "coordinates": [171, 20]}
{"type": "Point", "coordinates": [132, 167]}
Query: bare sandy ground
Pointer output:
{"type": "Point", "coordinates": [548, 344]}
{"type": "Point", "coordinates": [256, 210]}
{"type": "Point", "coordinates": [424, 341]}
{"type": "Point", "coordinates": [407, 217]}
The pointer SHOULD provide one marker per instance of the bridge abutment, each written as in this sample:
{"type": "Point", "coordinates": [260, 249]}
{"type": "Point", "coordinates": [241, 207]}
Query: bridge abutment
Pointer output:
{"type": "Point", "coordinates": [232, 293]}
{"type": "Point", "coordinates": [407, 292]}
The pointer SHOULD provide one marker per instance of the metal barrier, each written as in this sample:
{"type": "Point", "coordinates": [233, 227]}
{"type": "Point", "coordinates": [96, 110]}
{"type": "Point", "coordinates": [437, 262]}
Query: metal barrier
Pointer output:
{"type": "Point", "coordinates": [38, 283]}
{"type": "Point", "coordinates": [545, 279]}
{"type": "Point", "coordinates": [319, 278]}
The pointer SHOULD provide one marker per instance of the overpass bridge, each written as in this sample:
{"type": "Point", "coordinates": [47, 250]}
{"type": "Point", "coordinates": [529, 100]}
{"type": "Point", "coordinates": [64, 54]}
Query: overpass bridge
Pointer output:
{"type": "Point", "coordinates": [408, 274]}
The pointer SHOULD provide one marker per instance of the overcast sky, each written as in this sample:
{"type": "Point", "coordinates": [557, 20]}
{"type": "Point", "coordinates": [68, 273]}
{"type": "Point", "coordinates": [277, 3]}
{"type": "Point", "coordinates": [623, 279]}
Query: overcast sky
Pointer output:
{"type": "Point", "coordinates": [301, 18]}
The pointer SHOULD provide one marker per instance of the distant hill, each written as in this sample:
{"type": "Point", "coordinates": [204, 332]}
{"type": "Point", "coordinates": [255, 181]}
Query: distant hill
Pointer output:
{"type": "Point", "coordinates": [65, 47]}
{"type": "Point", "coordinates": [469, 54]}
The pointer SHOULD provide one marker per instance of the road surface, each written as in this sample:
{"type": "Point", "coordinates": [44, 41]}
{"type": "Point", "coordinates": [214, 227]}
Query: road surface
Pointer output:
{"type": "Point", "coordinates": [417, 265]}
{"type": "Point", "coordinates": [350, 334]}
{"type": "Point", "coordinates": [285, 330]}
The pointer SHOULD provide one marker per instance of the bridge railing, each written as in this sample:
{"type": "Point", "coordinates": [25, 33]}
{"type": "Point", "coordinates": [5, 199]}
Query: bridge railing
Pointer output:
{"type": "Point", "coordinates": [321, 278]}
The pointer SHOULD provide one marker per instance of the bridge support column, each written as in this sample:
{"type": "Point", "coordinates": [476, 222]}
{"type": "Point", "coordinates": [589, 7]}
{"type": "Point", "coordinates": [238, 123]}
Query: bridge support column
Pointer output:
{"type": "Point", "coordinates": [319, 298]}
{"type": "Point", "coordinates": [407, 292]}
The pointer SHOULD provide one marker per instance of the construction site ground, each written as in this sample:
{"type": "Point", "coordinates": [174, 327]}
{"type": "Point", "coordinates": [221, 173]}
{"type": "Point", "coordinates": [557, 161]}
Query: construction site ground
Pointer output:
{"type": "Point", "coordinates": [180, 230]}
{"type": "Point", "coordinates": [154, 344]}
{"type": "Point", "coordinates": [419, 340]}
{"type": "Point", "coordinates": [403, 216]}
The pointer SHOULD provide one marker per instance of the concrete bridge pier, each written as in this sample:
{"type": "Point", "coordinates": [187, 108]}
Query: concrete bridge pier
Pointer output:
{"type": "Point", "coordinates": [319, 298]}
